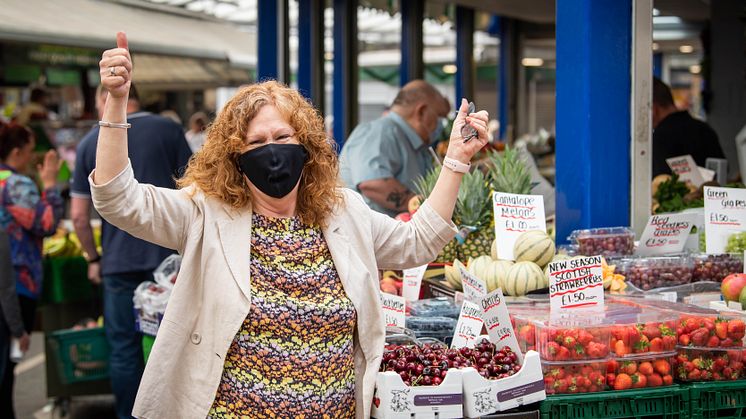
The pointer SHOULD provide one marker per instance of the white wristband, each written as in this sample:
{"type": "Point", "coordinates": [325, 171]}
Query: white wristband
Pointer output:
{"type": "Point", "coordinates": [456, 165]}
{"type": "Point", "coordinates": [108, 124]}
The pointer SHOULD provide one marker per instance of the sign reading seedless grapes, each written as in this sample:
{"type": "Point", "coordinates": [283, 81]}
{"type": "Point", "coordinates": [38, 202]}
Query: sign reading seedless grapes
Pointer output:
{"type": "Point", "coordinates": [576, 283]}
{"type": "Point", "coordinates": [516, 214]}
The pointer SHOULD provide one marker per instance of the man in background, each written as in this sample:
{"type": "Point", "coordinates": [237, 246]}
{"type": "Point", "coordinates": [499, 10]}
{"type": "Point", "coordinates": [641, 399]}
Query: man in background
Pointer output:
{"type": "Point", "coordinates": [676, 133]}
{"type": "Point", "coordinates": [383, 158]}
{"type": "Point", "coordinates": [158, 152]}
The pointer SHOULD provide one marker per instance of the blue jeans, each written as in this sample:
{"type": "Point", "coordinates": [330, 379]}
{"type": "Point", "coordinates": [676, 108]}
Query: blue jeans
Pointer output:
{"type": "Point", "coordinates": [126, 361]}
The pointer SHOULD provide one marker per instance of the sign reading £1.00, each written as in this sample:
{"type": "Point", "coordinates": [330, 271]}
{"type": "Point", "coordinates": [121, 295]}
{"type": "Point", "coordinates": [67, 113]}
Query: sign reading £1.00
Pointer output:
{"type": "Point", "coordinates": [576, 283]}
{"type": "Point", "coordinates": [516, 214]}
{"type": "Point", "coordinates": [393, 310]}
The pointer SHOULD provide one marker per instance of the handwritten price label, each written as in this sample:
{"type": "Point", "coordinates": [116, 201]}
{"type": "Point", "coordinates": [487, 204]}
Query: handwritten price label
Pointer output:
{"type": "Point", "coordinates": [515, 214]}
{"type": "Point", "coordinates": [687, 169]}
{"type": "Point", "coordinates": [576, 283]}
{"type": "Point", "coordinates": [468, 327]}
{"type": "Point", "coordinates": [497, 321]}
{"type": "Point", "coordinates": [725, 214]}
{"type": "Point", "coordinates": [393, 310]}
{"type": "Point", "coordinates": [474, 288]}
{"type": "Point", "coordinates": [413, 282]}
{"type": "Point", "coordinates": [666, 234]}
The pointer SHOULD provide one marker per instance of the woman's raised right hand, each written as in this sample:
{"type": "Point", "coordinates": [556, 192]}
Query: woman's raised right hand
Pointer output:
{"type": "Point", "coordinates": [115, 68]}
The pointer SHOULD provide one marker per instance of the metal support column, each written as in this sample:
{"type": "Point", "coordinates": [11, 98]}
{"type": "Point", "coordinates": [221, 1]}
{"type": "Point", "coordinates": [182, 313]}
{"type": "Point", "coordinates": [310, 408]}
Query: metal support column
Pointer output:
{"type": "Point", "coordinates": [272, 42]}
{"type": "Point", "coordinates": [507, 67]}
{"type": "Point", "coordinates": [311, 51]}
{"type": "Point", "coordinates": [593, 114]}
{"type": "Point", "coordinates": [345, 104]}
{"type": "Point", "coordinates": [412, 66]}
{"type": "Point", "coordinates": [641, 113]}
{"type": "Point", "coordinates": [465, 72]}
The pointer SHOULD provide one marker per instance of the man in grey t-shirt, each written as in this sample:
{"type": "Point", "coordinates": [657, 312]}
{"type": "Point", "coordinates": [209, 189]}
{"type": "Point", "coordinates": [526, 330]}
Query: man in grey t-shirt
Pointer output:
{"type": "Point", "coordinates": [383, 158]}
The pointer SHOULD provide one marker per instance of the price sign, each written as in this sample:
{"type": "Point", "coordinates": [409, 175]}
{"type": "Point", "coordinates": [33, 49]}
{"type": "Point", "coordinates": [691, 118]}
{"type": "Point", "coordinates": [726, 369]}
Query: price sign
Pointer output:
{"type": "Point", "coordinates": [687, 169]}
{"type": "Point", "coordinates": [515, 214]}
{"type": "Point", "coordinates": [666, 234]}
{"type": "Point", "coordinates": [474, 288]}
{"type": "Point", "coordinates": [725, 214]}
{"type": "Point", "coordinates": [497, 321]}
{"type": "Point", "coordinates": [393, 310]}
{"type": "Point", "coordinates": [468, 327]}
{"type": "Point", "coordinates": [412, 282]}
{"type": "Point", "coordinates": [576, 283]}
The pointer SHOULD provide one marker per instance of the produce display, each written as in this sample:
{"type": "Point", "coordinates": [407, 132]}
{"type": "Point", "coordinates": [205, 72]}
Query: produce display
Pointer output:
{"type": "Point", "coordinates": [557, 343]}
{"type": "Point", "coordinates": [711, 332]}
{"type": "Point", "coordinates": [640, 372]}
{"type": "Point", "coordinates": [613, 241]}
{"type": "Point", "coordinates": [524, 277]}
{"type": "Point", "coordinates": [708, 364]}
{"type": "Point", "coordinates": [657, 272]}
{"type": "Point", "coordinates": [534, 246]}
{"type": "Point", "coordinates": [574, 377]}
{"type": "Point", "coordinates": [434, 327]}
{"type": "Point", "coordinates": [428, 365]}
{"type": "Point", "coordinates": [736, 243]}
{"type": "Point", "coordinates": [715, 267]}
{"type": "Point", "coordinates": [642, 338]}
{"type": "Point", "coordinates": [434, 307]}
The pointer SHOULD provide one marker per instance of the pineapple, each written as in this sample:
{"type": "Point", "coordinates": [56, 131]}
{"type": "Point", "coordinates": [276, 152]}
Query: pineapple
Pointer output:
{"type": "Point", "coordinates": [508, 173]}
{"type": "Point", "coordinates": [473, 215]}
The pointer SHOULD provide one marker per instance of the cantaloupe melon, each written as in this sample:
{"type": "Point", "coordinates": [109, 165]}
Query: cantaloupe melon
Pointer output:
{"type": "Point", "coordinates": [496, 274]}
{"type": "Point", "coordinates": [534, 246]}
{"type": "Point", "coordinates": [522, 278]}
{"type": "Point", "coordinates": [478, 266]}
{"type": "Point", "coordinates": [493, 250]}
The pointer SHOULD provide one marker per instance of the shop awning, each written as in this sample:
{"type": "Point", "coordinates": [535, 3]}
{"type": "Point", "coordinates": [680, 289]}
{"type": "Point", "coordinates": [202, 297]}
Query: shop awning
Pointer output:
{"type": "Point", "coordinates": [94, 23]}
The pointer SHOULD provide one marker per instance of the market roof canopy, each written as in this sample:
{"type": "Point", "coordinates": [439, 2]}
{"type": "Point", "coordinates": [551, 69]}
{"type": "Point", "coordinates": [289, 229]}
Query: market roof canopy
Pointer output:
{"type": "Point", "coordinates": [148, 30]}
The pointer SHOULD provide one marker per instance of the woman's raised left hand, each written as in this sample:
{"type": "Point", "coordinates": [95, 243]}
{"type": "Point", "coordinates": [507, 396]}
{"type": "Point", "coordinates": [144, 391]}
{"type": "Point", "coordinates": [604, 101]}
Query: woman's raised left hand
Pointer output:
{"type": "Point", "coordinates": [478, 120]}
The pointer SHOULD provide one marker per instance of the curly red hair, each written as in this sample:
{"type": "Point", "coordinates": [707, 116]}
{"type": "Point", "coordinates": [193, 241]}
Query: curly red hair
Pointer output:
{"type": "Point", "coordinates": [213, 169]}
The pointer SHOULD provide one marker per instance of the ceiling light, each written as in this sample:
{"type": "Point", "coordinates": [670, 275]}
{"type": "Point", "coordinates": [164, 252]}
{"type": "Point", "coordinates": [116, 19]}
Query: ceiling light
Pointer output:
{"type": "Point", "coordinates": [695, 69]}
{"type": "Point", "coordinates": [686, 49]}
{"type": "Point", "coordinates": [655, 46]}
{"type": "Point", "coordinates": [532, 62]}
{"type": "Point", "coordinates": [656, 12]}
{"type": "Point", "coordinates": [450, 69]}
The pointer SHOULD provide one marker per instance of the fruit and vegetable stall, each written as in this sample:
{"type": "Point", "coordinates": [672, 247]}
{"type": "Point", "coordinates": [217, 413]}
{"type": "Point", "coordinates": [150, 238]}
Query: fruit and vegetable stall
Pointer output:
{"type": "Point", "coordinates": [609, 324]}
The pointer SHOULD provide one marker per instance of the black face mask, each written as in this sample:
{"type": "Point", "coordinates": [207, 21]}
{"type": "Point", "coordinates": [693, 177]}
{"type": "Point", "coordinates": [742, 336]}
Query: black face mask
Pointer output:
{"type": "Point", "coordinates": [274, 168]}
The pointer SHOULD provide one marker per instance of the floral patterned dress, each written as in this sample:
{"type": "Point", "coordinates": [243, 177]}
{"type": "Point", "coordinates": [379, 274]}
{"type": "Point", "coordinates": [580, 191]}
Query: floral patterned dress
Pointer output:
{"type": "Point", "coordinates": [293, 356]}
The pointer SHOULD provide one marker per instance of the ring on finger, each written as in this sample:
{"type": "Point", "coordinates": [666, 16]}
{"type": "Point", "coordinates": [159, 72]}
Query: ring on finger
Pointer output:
{"type": "Point", "coordinates": [112, 71]}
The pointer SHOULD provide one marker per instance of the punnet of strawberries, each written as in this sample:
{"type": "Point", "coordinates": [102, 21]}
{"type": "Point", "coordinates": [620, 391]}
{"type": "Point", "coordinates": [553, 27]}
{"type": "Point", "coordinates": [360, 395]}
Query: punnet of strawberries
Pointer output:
{"type": "Point", "coordinates": [572, 344]}
{"type": "Point", "coordinates": [703, 364]}
{"type": "Point", "coordinates": [641, 338]}
{"type": "Point", "coordinates": [574, 377]}
{"type": "Point", "coordinates": [428, 365]}
{"type": "Point", "coordinates": [626, 373]}
{"type": "Point", "coordinates": [711, 332]}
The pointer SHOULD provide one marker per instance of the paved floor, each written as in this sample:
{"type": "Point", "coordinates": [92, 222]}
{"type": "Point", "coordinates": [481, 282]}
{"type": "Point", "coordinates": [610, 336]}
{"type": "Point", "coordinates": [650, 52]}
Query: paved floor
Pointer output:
{"type": "Point", "coordinates": [31, 392]}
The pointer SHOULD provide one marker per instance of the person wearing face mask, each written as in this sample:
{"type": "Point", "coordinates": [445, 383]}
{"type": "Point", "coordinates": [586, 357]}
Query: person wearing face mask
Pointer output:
{"type": "Point", "coordinates": [383, 158]}
{"type": "Point", "coordinates": [275, 311]}
{"type": "Point", "coordinates": [158, 152]}
{"type": "Point", "coordinates": [26, 216]}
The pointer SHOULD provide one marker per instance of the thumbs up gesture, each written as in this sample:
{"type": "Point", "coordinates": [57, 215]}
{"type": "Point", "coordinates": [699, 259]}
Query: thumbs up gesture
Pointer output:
{"type": "Point", "coordinates": [115, 68]}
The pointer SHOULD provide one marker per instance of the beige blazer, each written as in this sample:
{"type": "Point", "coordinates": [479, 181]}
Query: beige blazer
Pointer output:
{"type": "Point", "coordinates": [212, 296]}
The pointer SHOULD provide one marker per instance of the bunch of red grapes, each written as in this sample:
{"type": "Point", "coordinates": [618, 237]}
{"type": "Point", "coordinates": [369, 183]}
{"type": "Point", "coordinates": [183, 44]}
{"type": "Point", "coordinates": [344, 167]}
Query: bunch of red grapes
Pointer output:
{"type": "Point", "coordinates": [427, 365]}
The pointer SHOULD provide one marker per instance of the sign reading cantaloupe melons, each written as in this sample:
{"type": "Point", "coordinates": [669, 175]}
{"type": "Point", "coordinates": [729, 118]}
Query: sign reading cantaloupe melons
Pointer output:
{"type": "Point", "coordinates": [516, 214]}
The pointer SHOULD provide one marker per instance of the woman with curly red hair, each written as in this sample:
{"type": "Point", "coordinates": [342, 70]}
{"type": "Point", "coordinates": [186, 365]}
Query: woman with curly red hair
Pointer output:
{"type": "Point", "coordinates": [276, 308]}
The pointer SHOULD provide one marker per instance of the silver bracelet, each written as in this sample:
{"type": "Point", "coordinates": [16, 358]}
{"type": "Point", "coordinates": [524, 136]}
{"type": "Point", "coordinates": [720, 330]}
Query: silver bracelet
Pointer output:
{"type": "Point", "coordinates": [114, 124]}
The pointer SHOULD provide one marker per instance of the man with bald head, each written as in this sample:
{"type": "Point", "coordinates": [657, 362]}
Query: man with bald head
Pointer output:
{"type": "Point", "coordinates": [382, 159]}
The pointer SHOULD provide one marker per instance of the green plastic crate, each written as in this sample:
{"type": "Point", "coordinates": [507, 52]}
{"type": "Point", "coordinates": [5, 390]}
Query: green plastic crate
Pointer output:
{"type": "Point", "coordinates": [719, 400]}
{"type": "Point", "coordinates": [80, 355]}
{"type": "Point", "coordinates": [670, 402]}
{"type": "Point", "coordinates": [147, 346]}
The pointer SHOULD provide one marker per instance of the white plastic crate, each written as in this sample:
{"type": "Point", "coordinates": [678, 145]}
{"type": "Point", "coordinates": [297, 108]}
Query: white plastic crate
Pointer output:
{"type": "Point", "coordinates": [394, 399]}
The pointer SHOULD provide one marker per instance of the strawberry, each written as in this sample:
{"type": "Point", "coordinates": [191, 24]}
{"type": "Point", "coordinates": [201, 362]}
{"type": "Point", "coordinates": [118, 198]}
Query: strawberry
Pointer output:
{"type": "Point", "coordinates": [726, 343]}
{"type": "Point", "coordinates": [666, 331]}
{"type": "Point", "coordinates": [667, 380]}
{"type": "Point", "coordinates": [612, 366]}
{"type": "Point", "coordinates": [639, 381]}
{"type": "Point", "coordinates": [584, 337]}
{"type": "Point", "coordinates": [736, 329]}
{"type": "Point", "coordinates": [699, 337]}
{"type": "Point", "coordinates": [563, 354]}
{"type": "Point", "coordinates": [569, 342]}
{"type": "Point", "coordinates": [713, 342]}
{"type": "Point", "coordinates": [643, 345]}
{"type": "Point", "coordinates": [684, 340]}
{"type": "Point", "coordinates": [694, 375]}
{"type": "Point", "coordinates": [721, 329]}
{"type": "Point", "coordinates": [709, 324]}
{"type": "Point", "coordinates": [652, 331]}
{"type": "Point", "coordinates": [669, 342]}
{"type": "Point", "coordinates": [718, 365]}
{"type": "Point", "coordinates": [578, 352]}
{"type": "Point", "coordinates": [656, 345]}
{"type": "Point", "coordinates": [620, 348]}
{"type": "Point", "coordinates": [552, 350]}
{"type": "Point", "coordinates": [561, 385]}
{"type": "Point", "coordinates": [691, 324]}
{"type": "Point", "coordinates": [655, 380]}
{"type": "Point", "coordinates": [610, 378]}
